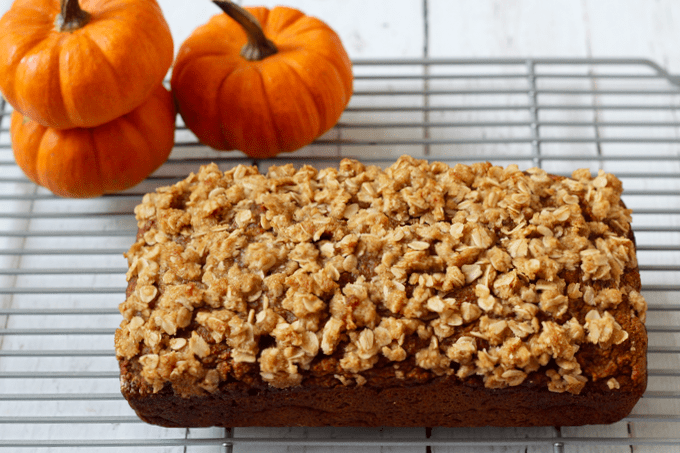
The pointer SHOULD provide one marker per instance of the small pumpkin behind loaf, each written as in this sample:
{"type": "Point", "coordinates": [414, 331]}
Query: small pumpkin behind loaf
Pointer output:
{"type": "Point", "coordinates": [88, 162]}
{"type": "Point", "coordinates": [82, 63]}
{"type": "Point", "coordinates": [262, 81]}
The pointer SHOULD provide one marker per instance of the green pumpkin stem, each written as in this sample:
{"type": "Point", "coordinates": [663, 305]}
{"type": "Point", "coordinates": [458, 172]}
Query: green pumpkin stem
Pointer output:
{"type": "Point", "coordinates": [72, 17]}
{"type": "Point", "coordinates": [258, 46]}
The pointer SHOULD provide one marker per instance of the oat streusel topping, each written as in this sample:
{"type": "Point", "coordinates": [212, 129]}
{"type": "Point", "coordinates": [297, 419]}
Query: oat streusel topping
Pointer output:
{"type": "Point", "coordinates": [273, 271]}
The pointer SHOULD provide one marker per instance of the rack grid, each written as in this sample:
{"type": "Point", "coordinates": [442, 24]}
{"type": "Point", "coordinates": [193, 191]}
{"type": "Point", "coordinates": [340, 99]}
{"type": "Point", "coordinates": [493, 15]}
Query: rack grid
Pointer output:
{"type": "Point", "coordinates": [62, 270]}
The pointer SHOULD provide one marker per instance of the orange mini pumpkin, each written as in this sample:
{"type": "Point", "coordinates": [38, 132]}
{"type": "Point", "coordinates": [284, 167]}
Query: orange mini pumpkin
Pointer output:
{"type": "Point", "coordinates": [261, 81]}
{"type": "Point", "coordinates": [88, 162]}
{"type": "Point", "coordinates": [68, 64]}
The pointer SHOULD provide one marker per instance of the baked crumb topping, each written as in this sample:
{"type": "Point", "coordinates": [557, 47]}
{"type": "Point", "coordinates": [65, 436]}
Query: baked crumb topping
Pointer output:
{"type": "Point", "coordinates": [274, 271]}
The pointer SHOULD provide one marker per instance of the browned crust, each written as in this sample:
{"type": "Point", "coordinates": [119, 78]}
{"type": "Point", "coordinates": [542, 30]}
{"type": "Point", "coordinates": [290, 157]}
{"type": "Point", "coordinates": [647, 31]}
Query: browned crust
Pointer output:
{"type": "Point", "coordinates": [441, 402]}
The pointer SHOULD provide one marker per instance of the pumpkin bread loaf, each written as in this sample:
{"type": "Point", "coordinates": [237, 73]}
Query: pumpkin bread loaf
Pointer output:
{"type": "Point", "coordinates": [419, 295]}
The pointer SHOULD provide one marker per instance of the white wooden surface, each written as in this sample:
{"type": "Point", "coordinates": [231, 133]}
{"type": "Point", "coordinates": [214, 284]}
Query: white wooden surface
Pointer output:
{"type": "Point", "coordinates": [379, 29]}
{"type": "Point", "coordinates": [478, 28]}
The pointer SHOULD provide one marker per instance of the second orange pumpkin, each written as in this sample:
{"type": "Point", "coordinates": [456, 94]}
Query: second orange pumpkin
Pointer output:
{"type": "Point", "coordinates": [88, 162]}
{"type": "Point", "coordinates": [262, 105]}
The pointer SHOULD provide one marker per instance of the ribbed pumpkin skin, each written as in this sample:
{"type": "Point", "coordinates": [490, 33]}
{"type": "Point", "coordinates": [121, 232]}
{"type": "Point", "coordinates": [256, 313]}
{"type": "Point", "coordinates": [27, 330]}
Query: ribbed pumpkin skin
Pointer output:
{"type": "Point", "coordinates": [89, 76]}
{"type": "Point", "coordinates": [266, 107]}
{"type": "Point", "coordinates": [88, 162]}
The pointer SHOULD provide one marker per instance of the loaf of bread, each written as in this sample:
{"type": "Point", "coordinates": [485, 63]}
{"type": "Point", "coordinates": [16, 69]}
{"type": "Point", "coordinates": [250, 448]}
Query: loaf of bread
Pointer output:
{"type": "Point", "coordinates": [419, 295]}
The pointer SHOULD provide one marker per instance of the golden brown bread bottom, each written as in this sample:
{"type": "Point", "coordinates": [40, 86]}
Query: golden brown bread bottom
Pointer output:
{"type": "Point", "coordinates": [440, 402]}
{"type": "Point", "coordinates": [186, 375]}
{"type": "Point", "coordinates": [443, 402]}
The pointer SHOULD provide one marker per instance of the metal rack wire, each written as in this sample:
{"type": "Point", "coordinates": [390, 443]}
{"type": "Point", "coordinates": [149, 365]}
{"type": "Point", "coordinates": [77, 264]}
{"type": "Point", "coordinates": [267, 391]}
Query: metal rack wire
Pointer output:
{"type": "Point", "coordinates": [62, 269]}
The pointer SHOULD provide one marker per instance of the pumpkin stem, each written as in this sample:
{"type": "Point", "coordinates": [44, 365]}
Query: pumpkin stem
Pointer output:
{"type": "Point", "coordinates": [72, 17]}
{"type": "Point", "coordinates": [258, 46]}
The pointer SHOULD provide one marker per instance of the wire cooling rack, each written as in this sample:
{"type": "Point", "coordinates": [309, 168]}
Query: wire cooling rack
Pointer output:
{"type": "Point", "coordinates": [62, 269]}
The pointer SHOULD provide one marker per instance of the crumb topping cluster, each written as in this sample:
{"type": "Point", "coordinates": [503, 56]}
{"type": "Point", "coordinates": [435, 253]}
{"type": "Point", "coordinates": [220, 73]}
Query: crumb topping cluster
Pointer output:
{"type": "Point", "coordinates": [274, 271]}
